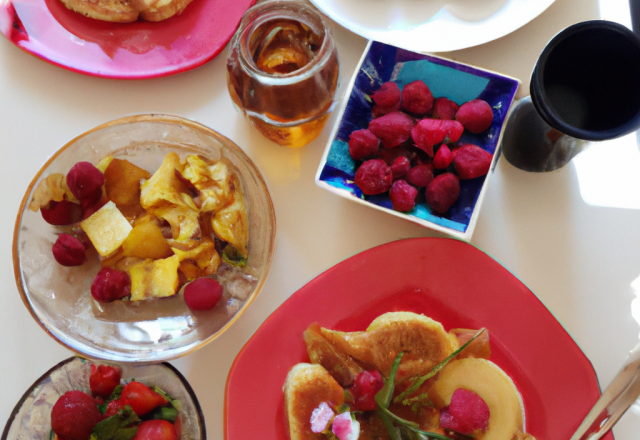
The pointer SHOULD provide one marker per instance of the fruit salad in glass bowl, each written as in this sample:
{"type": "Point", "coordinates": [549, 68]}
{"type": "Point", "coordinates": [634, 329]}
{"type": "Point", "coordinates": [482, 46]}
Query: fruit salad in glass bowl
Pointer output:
{"type": "Point", "coordinates": [143, 239]}
{"type": "Point", "coordinates": [79, 399]}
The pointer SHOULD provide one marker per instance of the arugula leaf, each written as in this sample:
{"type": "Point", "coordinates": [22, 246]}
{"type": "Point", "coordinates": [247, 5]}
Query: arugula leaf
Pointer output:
{"type": "Point", "coordinates": [117, 427]}
{"type": "Point", "coordinates": [383, 397]}
{"type": "Point", "coordinates": [414, 386]}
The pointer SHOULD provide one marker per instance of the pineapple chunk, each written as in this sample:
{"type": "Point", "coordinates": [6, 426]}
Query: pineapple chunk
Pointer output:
{"type": "Point", "coordinates": [212, 180]}
{"type": "Point", "coordinates": [146, 241]}
{"type": "Point", "coordinates": [231, 224]}
{"type": "Point", "coordinates": [107, 229]}
{"type": "Point", "coordinates": [154, 278]}
{"type": "Point", "coordinates": [204, 256]}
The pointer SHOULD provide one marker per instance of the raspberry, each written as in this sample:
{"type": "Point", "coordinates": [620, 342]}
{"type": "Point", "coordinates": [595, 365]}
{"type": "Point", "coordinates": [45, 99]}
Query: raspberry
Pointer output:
{"type": "Point", "coordinates": [202, 294]}
{"type": "Point", "coordinates": [90, 206]}
{"type": "Point", "coordinates": [471, 161]}
{"type": "Point", "coordinates": [429, 132]}
{"type": "Point", "coordinates": [68, 250]}
{"type": "Point", "coordinates": [392, 129]}
{"type": "Point", "coordinates": [442, 192]}
{"type": "Point", "coordinates": [417, 98]}
{"type": "Point", "coordinates": [466, 413]}
{"type": "Point", "coordinates": [443, 157]}
{"type": "Point", "coordinates": [61, 213]}
{"type": "Point", "coordinates": [403, 196]}
{"type": "Point", "coordinates": [364, 389]}
{"type": "Point", "coordinates": [400, 167]}
{"type": "Point", "coordinates": [374, 177]}
{"type": "Point", "coordinates": [363, 144]}
{"type": "Point", "coordinates": [476, 115]}
{"type": "Point", "coordinates": [387, 96]}
{"type": "Point", "coordinates": [85, 181]}
{"type": "Point", "coordinates": [420, 175]}
{"type": "Point", "coordinates": [74, 415]}
{"type": "Point", "coordinates": [110, 285]}
{"type": "Point", "coordinates": [444, 108]}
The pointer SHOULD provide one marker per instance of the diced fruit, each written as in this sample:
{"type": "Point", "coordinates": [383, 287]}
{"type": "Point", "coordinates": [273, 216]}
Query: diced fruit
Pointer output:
{"type": "Point", "coordinates": [417, 98]}
{"type": "Point", "coordinates": [466, 413]}
{"type": "Point", "coordinates": [364, 390]}
{"type": "Point", "coordinates": [68, 250]}
{"type": "Point", "coordinates": [403, 196]}
{"type": "Point", "coordinates": [154, 278]}
{"type": "Point", "coordinates": [420, 175]}
{"type": "Point", "coordinates": [141, 398]}
{"type": "Point", "coordinates": [104, 379]}
{"type": "Point", "coordinates": [90, 206]}
{"type": "Point", "coordinates": [155, 430]}
{"type": "Point", "coordinates": [146, 241]}
{"type": "Point", "coordinates": [122, 185]}
{"type": "Point", "coordinates": [442, 192]}
{"type": "Point", "coordinates": [400, 167]}
{"type": "Point", "coordinates": [85, 181]}
{"type": "Point", "coordinates": [231, 224]}
{"type": "Point", "coordinates": [443, 157]}
{"type": "Point", "coordinates": [110, 285]}
{"type": "Point", "coordinates": [471, 161]}
{"type": "Point", "coordinates": [199, 261]}
{"type": "Point", "coordinates": [476, 115]}
{"type": "Point", "coordinates": [388, 95]}
{"type": "Point", "coordinates": [444, 108]}
{"type": "Point", "coordinates": [320, 418]}
{"type": "Point", "coordinates": [212, 180]}
{"type": "Point", "coordinates": [74, 415]}
{"type": "Point", "coordinates": [392, 129]}
{"type": "Point", "coordinates": [479, 347]}
{"type": "Point", "coordinates": [363, 144]}
{"type": "Point", "coordinates": [61, 213]}
{"type": "Point", "coordinates": [345, 427]}
{"type": "Point", "coordinates": [107, 229]}
{"type": "Point", "coordinates": [104, 163]}
{"type": "Point", "coordinates": [202, 294]}
{"type": "Point", "coordinates": [493, 386]}
{"type": "Point", "coordinates": [430, 132]}
{"type": "Point", "coordinates": [374, 177]}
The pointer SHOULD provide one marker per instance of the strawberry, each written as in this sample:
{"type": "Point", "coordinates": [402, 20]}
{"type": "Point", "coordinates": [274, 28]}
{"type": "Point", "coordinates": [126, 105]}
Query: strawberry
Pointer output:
{"type": "Point", "coordinates": [429, 132]}
{"type": "Point", "coordinates": [420, 175]}
{"type": "Point", "coordinates": [444, 108]}
{"type": "Point", "coordinates": [155, 430]}
{"type": "Point", "coordinates": [400, 167]}
{"type": "Point", "coordinates": [141, 398]}
{"type": "Point", "coordinates": [113, 407]}
{"type": "Point", "coordinates": [104, 379]}
{"type": "Point", "coordinates": [392, 129]}
{"type": "Point", "coordinates": [466, 413]}
{"type": "Point", "coordinates": [363, 144]}
{"type": "Point", "coordinates": [387, 96]}
{"type": "Point", "coordinates": [403, 199]}
{"type": "Point", "coordinates": [471, 161]}
{"type": "Point", "coordinates": [74, 415]}
{"type": "Point", "coordinates": [417, 98]}
{"type": "Point", "coordinates": [476, 115]}
{"type": "Point", "coordinates": [442, 192]}
{"type": "Point", "coordinates": [374, 177]}
{"type": "Point", "coordinates": [443, 158]}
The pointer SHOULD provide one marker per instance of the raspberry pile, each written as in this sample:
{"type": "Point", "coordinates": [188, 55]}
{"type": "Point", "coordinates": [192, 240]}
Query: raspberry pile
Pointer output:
{"type": "Point", "coordinates": [411, 147]}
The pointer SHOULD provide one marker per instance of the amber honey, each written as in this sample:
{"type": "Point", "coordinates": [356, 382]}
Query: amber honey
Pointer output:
{"type": "Point", "coordinates": [282, 71]}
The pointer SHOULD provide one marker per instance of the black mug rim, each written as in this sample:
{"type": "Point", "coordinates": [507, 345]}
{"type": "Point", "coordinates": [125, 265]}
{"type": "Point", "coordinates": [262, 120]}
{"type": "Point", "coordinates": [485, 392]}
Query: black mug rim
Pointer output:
{"type": "Point", "coordinates": [538, 94]}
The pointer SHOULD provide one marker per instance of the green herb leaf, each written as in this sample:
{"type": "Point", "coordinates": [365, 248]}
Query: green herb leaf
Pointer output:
{"type": "Point", "coordinates": [414, 387]}
{"type": "Point", "coordinates": [383, 397]}
{"type": "Point", "coordinates": [392, 430]}
{"type": "Point", "coordinates": [117, 427]}
{"type": "Point", "coordinates": [412, 426]}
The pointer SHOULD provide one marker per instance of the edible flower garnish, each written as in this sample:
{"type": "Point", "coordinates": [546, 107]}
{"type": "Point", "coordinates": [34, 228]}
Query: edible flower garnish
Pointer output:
{"type": "Point", "coordinates": [320, 417]}
{"type": "Point", "coordinates": [346, 427]}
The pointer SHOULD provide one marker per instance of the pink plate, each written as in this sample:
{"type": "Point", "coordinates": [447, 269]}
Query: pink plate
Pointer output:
{"type": "Point", "coordinates": [47, 29]}
{"type": "Point", "coordinates": [446, 279]}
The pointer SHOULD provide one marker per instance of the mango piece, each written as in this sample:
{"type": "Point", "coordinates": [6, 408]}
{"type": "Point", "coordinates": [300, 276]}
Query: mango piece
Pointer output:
{"type": "Point", "coordinates": [493, 385]}
{"type": "Point", "coordinates": [231, 224]}
{"type": "Point", "coordinates": [146, 241]}
{"type": "Point", "coordinates": [107, 229]}
{"type": "Point", "coordinates": [122, 185]}
{"type": "Point", "coordinates": [154, 278]}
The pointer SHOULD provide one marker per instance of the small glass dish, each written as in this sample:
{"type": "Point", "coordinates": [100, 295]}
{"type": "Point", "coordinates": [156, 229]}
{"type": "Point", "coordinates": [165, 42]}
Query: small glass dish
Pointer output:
{"type": "Point", "coordinates": [149, 331]}
{"type": "Point", "coordinates": [31, 417]}
{"type": "Point", "coordinates": [445, 78]}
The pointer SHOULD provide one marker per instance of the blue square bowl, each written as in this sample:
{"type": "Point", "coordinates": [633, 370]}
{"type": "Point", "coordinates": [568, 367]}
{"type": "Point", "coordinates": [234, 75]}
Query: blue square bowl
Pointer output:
{"type": "Point", "coordinates": [455, 81]}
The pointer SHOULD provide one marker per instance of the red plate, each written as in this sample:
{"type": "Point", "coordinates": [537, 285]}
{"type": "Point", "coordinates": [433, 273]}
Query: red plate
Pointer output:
{"type": "Point", "coordinates": [448, 280]}
{"type": "Point", "coordinates": [47, 29]}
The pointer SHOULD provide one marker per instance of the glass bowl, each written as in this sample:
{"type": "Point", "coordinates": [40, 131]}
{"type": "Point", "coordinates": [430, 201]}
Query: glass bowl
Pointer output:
{"type": "Point", "coordinates": [31, 417]}
{"type": "Point", "coordinates": [149, 331]}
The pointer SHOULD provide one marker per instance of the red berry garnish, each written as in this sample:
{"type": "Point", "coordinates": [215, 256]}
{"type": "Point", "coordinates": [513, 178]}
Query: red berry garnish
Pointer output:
{"type": "Point", "coordinates": [430, 132]}
{"type": "Point", "coordinates": [110, 285]}
{"type": "Point", "coordinates": [374, 177]}
{"type": "Point", "coordinates": [442, 192]}
{"type": "Point", "coordinates": [471, 161]}
{"type": "Point", "coordinates": [388, 95]}
{"type": "Point", "coordinates": [62, 213]}
{"type": "Point", "coordinates": [365, 387]}
{"type": "Point", "coordinates": [466, 413]}
{"type": "Point", "coordinates": [444, 108]}
{"type": "Point", "coordinates": [85, 181]}
{"type": "Point", "coordinates": [400, 167]}
{"type": "Point", "coordinates": [104, 379]}
{"type": "Point", "coordinates": [392, 129]}
{"type": "Point", "coordinates": [155, 430]}
{"type": "Point", "coordinates": [443, 157]}
{"type": "Point", "coordinates": [68, 250]}
{"type": "Point", "coordinates": [141, 398]}
{"type": "Point", "coordinates": [403, 196]}
{"type": "Point", "coordinates": [363, 144]}
{"type": "Point", "coordinates": [202, 294]}
{"type": "Point", "coordinates": [74, 415]}
{"type": "Point", "coordinates": [475, 115]}
{"type": "Point", "coordinates": [417, 98]}
{"type": "Point", "coordinates": [420, 175]}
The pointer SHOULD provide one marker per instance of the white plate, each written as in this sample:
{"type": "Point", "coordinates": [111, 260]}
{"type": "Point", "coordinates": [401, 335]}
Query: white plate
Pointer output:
{"type": "Point", "coordinates": [432, 25]}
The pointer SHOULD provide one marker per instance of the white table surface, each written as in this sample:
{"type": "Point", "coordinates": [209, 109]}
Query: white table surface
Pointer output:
{"type": "Point", "coordinates": [570, 235]}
